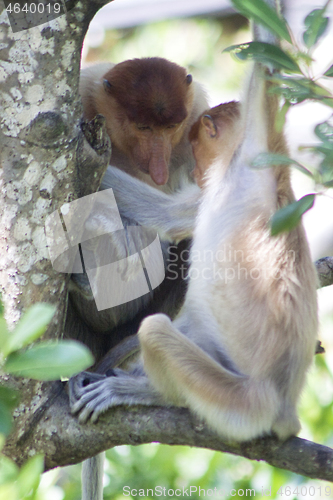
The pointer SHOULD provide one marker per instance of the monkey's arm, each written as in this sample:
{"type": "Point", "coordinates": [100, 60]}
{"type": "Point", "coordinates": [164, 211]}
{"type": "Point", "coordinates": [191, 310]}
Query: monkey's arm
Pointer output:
{"type": "Point", "coordinates": [171, 215]}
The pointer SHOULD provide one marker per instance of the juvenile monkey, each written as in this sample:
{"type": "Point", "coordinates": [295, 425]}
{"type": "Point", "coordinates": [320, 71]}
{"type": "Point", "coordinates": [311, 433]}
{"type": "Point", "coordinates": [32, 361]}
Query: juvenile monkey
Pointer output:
{"type": "Point", "coordinates": [238, 352]}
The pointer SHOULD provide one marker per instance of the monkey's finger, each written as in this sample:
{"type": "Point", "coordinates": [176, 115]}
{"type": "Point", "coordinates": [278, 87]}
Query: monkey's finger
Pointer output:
{"type": "Point", "coordinates": [91, 394]}
{"type": "Point", "coordinates": [81, 383]}
{"type": "Point", "coordinates": [93, 408]}
{"type": "Point", "coordinates": [85, 415]}
{"type": "Point", "coordinates": [83, 409]}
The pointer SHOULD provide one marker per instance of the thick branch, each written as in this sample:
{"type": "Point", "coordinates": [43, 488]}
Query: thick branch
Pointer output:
{"type": "Point", "coordinates": [51, 430]}
{"type": "Point", "coordinates": [64, 441]}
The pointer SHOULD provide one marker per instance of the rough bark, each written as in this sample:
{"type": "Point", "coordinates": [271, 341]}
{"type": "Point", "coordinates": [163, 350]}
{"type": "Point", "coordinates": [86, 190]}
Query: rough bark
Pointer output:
{"type": "Point", "coordinates": [45, 152]}
{"type": "Point", "coordinates": [325, 271]}
{"type": "Point", "coordinates": [45, 155]}
{"type": "Point", "coordinates": [53, 431]}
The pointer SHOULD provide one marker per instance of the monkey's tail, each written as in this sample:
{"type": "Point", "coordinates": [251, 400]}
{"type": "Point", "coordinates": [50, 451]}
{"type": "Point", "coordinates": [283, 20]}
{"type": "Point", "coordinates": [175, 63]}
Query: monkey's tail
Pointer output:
{"type": "Point", "coordinates": [92, 478]}
{"type": "Point", "coordinates": [236, 406]}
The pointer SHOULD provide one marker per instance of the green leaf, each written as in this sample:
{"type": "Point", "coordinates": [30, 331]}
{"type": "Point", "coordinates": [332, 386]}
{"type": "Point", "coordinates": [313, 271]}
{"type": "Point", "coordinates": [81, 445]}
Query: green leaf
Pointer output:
{"type": "Point", "coordinates": [280, 118]}
{"type": "Point", "coordinates": [8, 470]}
{"type": "Point", "coordinates": [325, 133]}
{"type": "Point", "coordinates": [29, 475]}
{"type": "Point", "coordinates": [265, 160]}
{"type": "Point", "coordinates": [296, 89]}
{"type": "Point", "coordinates": [329, 72]}
{"type": "Point", "coordinates": [328, 184]}
{"type": "Point", "coordinates": [9, 397]}
{"type": "Point", "coordinates": [287, 218]}
{"type": "Point", "coordinates": [4, 334]}
{"type": "Point", "coordinates": [261, 13]}
{"type": "Point", "coordinates": [315, 24]}
{"type": "Point", "coordinates": [265, 53]}
{"type": "Point", "coordinates": [327, 101]}
{"type": "Point", "coordinates": [30, 327]}
{"type": "Point", "coordinates": [5, 420]}
{"type": "Point", "coordinates": [50, 361]}
{"type": "Point", "coordinates": [326, 168]}
{"type": "Point", "coordinates": [9, 490]}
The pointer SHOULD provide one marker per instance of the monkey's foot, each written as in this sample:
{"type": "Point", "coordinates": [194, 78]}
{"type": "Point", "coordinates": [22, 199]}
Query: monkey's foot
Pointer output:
{"type": "Point", "coordinates": [92, 394]}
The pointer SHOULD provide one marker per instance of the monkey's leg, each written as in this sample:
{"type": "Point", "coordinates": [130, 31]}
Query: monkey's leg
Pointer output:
{"type": "Point", "coordinates": [235, 405]}
{"type": "Point", "coordinates": [238, 407]}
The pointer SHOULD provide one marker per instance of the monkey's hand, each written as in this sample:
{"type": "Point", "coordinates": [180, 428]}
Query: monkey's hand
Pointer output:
{"type": "Point", "coordinates": [92, 394]}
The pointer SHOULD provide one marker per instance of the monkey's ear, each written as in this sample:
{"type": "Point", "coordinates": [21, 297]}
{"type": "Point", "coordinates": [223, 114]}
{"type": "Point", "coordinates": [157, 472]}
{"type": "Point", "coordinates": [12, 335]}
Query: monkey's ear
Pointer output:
{"type": "Point", "coordinates": [107, 85]}
{"type": "Point", "coordinates": [209, 125]}
{"type": "Point", "coordinates": [189, 79]}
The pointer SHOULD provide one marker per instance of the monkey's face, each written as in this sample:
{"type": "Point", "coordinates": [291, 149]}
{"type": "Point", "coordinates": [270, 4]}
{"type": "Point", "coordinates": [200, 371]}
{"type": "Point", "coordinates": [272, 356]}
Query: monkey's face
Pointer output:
{"type": "Point", "coordinates": [147, 105]}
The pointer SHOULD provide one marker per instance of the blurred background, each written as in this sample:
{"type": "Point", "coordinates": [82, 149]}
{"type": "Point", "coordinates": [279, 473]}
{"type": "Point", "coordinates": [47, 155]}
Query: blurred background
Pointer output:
{"type": "Point", "coordinates": [193, 33]}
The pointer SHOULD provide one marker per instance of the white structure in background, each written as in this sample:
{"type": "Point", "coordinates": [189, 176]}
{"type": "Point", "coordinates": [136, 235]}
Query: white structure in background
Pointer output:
{"type": "Point", "coordinates": [128, 13]}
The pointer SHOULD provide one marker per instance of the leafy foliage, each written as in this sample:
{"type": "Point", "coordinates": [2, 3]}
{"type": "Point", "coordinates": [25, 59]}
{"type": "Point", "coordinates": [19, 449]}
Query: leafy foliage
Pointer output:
{"type": "Point", "coordinates": [43, 361]}
{"type": "Point", "coordinates": [19, 484]}
{"type": "Point", "coordinates": [265, 53]}
{"type": "Point", "coordinates": [49, 360]}
{"type": "Point", "coordinates": [30, 327]}
{"type": "Point", "coordinates": [315, 24]}
{"type": "Point", "coordinates": [262, 13]}
{"type": "Point", "coordinates": [292, 82]}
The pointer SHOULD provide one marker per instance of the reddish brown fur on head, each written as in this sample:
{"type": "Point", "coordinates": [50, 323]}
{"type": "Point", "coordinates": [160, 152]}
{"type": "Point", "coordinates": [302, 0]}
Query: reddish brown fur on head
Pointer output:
{"type": "Point", "coordinates": [215, 135]}
{"type": "Point", "coordinates": [222, 115]}
{"type": "Point", "coordinates": [146, 103]}
{"type": "Point", "coordinates": [152, 91]}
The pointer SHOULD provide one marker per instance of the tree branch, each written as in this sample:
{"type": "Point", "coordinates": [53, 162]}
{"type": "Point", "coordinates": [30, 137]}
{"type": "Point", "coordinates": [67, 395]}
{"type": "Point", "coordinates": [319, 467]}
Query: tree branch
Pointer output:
{"type": "Point", "coordinates": [64, 441]}
{"type": "Point", "coordinates": [324, 268]}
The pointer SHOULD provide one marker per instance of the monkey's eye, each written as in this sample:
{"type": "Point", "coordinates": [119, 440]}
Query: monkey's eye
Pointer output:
{"type": "Point", "coordinates": [143, 127]}
{"type": "Point", "coordinates": [171, 126]}
{"type": "Point", "coordinates": [107, 85]}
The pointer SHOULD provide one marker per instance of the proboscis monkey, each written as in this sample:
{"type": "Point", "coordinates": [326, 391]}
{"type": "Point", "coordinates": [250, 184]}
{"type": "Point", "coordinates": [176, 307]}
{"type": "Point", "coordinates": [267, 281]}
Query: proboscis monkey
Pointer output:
{"type": "Point", "coordinates": [238, 352]}
{"type": "Point", "coordinates": [150, 105]}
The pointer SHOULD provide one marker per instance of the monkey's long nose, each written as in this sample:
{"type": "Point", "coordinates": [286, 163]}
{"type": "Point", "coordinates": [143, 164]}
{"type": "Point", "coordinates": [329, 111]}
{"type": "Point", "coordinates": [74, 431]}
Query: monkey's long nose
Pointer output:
{"type": "Point", "coordinates": [159, 173]}
{"type": "Point", "coordinates": [158, 163]}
